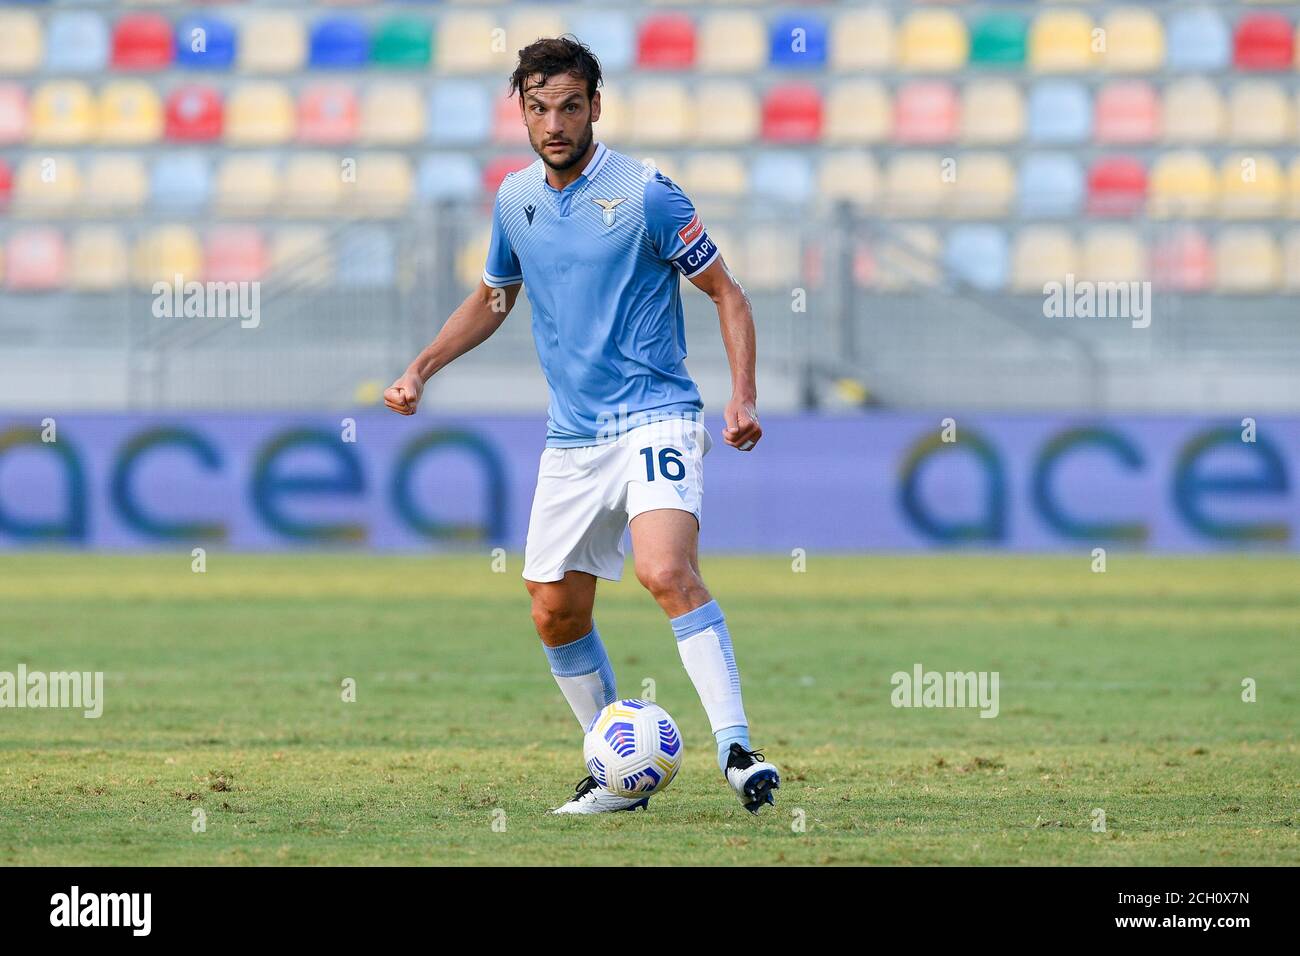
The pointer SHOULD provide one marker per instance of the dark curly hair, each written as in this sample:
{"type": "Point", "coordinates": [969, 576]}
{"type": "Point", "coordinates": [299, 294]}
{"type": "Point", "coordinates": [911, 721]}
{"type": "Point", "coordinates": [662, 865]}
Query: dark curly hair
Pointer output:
{"type": "Point", "coordinates": [549, 57]}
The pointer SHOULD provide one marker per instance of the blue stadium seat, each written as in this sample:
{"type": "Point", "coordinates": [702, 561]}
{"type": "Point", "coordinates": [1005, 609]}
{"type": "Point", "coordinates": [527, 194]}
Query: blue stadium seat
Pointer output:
{"type": "Point", "coordinates": [977, 255]}
{"type": "Point", "coordinates": [218, 44]}
{"type": "Point", "coordinates": [791, 48]}
{"type": "Point", "coordinates": [783, 176]}
{"type": "Point", "coordinates": [366, 258]}
{"type": "Point", "coordinates": [180, 180]}
{"type": "Point", "coordinates": [1059, 112]}
{"type": "Point", "coordinates": [1197, 40]}
{"type": "Point", "coordinates": [460, 112]}
{"type": "Point", "coordinates": [611, 36]}
{"type": "Point", "coordinates": [76, 41]}
{"type": "Point", "coordinates": [449, 176]}
{"type": "Point", "coordinates": [1050, 185]}
{"type": "Point", "coordinates": [339, 43]}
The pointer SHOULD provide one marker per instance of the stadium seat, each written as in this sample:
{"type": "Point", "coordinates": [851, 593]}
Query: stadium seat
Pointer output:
{"type": "Point", "coordinates": [1251, 187]}
{"type": "Point", "coordinates": [1291, 261]}
{"type": "Point", "coordinates": [235, 254]}
{"type": "Point", "coordinates": [392, 114]}
{"type": "Point", "coordinates": [1059, 113]}
{"type": "Point", "coordinates": [259, 114]}
{"type": "Point", "coordinates": [313, 184]}
{"type": "Point", "coordinates": [13, 113]}
{"type": "Point", "coordinates": [998, 40]}
{"type": "Point", "coordinates": [448, 177]}
{"type": "Point", "coordinates": [180, 181]}
{"type": "Point", "coordinates": [862, 41]}
{"type": "Point", "coordinates": [529, 23]}
{"type": "Point", "coordinates": [367, 259]}
{"type": "Point", "coordinates": [732, 42]}
{"type": "Point", "coordinates": [925, 112]}
{"type": "Point", "coordinates": [205, 43]}
{"type": "Point", "coordinates": [21, 42]}
{"type": "Point", "coordinates": [858, 112]}
{"type": "Point", "coordinates": [460, 113]}
{"type": "Point", "coordinates": [1060, 41]}
{"type": "Point", "coordinates": [711, 175]}
{"type": "Point", "coordinates": [471, 256]}
{"type": "Point", "coordinates": [1135, 41]}
{"type": "Point", "coordinates": [992, 111]}
{"type": "Point", "coordinates": [611, 34]}
{"type": "Point", "coordinates": [402, 42]}
{"type": "Point", "coordinates": [725, 112]}
{"type": "Point", "coordinates": [1293, 189]}
{"type": "Point", "coordinates": [1050, 186]}
{"type": "Point", "coordinates": [1263, 41]}
{"type": "Point", "coordinates": [932, 41]}
{"type": "Point", "coordinates": [115, 184]}
{"type": "Point", "coordinates": [193, 115]}
{"type": "Point", "coordinates": [1183, 185]}
{"type": "Point", "coordinates": [143, 41]}
{"type": "Point", "coordinates": [1198, 41]}
{"type": "Point", "coordinates": [76, 42]}
{"type": "Point", "coordinates": [495, 172]}
{"type": "Point", "coordinates": [62, 112]}
{"type": "Point", "coordinates": [851, 176]}
{"type": "Point", "coordinates": [1042, 254]}
{"type": "Point", "coordinates": [164, 253]}
{"type": "Point", "coordinates": [792, 113]}
{"type": "Point", "coordinates": [339, 43]}
{"type": "Point", "coordinates": [781, 177]}
{"type": "Point", "coordinates": [1117, 186]}
{"type": "Point", "coordinates": [47, 186]}
{"type": "Point", "coordinates": [797, 42]}
{"type": "Point", "coordinates": [1114, 254]}
{"type": "Point", "coordinates": [328, 114]}
{"type": "Point", "coordinates": [984, 187]}
{"type": "Point", "coordinates": [301, 256]}
{"type": "Point", "coordinates": [384, 187]}
{"type": "Point", "coordinates": [1193, 112]}
{"type": "Point", "coordinates": [1128, 111]}
{"type": "Point", "coordinates": [97, 259]}
{"type": "Point", "coordinates": [464, 43]}
{"type": "Point", "coordinates": [246, 185]}
{"type": "Point", "coordinates": [1247, 261]}
{"type": "Point", "coordinates": [915, 185]}
{"type": "Point", "coordinates": [661, 113]}
{"type": "Point", "coordinates": [35, 260]}
{"type": "Point", "coordinates": [977, 256]}
{"type": "Point", "coordinates": [1259, 113]}
{"type": "Point", "coordinates": [507, 124]}
{"type": "Point", "coordinates": [666, 41]}
{"type": "Point", "coordinates": [772, 258]}
{"type": "Point", "coordinates": [272, 43]}
{"type": "Point", "coordinates": [129, 114]}
{"type": "Point", "coordinates": [907, 257]}
{"type": "Point", "coordinates": [6, 186]}
{"type": "Point", "coordinates": [1182, 261]}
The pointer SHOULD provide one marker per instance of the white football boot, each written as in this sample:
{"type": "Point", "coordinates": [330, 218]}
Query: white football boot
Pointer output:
{"type": "Point", "coordinates": [752, 777]}
{"type": "Point", "coordinates": [591, 797]}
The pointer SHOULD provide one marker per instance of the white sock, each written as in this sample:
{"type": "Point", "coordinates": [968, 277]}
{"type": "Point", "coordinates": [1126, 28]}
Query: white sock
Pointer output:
{"type": "Point", "coordinates": [705, 647]}
{"type": "Point", "coordinates": [585, 675]}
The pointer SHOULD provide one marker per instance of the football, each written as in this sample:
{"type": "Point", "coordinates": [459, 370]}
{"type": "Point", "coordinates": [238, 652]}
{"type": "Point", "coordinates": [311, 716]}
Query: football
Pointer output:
{"type": "Point", "coordinates": [633, 748]}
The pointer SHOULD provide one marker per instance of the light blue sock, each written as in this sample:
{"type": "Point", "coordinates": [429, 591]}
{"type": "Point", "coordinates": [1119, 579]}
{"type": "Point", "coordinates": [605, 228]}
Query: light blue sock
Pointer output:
{"type": "Point", "coordinates": [725, 738]}
{"type": "Point", "coordinates": [585, 675]}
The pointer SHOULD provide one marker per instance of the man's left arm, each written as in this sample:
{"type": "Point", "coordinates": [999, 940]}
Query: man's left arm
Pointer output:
{"type": "Point", "coordinates": [736, 317]}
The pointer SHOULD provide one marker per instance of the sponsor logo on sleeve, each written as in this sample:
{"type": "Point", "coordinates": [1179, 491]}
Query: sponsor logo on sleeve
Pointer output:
{"type": "Point", "coordinates": [691, 231]}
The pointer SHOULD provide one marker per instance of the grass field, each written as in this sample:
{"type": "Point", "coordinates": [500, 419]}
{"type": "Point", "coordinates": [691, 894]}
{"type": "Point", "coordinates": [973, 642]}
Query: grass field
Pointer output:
{"type": "Point", "coordinates": [1119, 691]}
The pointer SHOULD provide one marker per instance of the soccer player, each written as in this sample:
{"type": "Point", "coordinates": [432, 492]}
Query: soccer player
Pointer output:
{"type": "Point", "coordinates": [598, 240]}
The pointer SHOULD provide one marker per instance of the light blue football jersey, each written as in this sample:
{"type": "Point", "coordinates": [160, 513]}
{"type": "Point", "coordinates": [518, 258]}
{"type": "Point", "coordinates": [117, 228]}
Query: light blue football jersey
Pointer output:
{"type": "Point", "coordinates": [600, 262]}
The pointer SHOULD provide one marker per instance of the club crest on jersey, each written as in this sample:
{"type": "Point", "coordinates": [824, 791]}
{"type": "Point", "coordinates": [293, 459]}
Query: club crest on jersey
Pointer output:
{"type": "Point", "coordinates": [608, 207]}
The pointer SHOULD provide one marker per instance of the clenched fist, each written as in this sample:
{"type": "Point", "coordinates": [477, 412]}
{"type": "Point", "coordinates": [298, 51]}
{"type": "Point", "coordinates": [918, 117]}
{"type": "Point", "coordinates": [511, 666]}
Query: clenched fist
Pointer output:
{"type": "Point", "coordinates": [404, 394]}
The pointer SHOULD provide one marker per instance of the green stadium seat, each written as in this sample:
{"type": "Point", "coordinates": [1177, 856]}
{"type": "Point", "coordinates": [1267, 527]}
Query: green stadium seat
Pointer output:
{"type": "Point", "coordinates": [402, 43]}
{"type": "Point", "coordinates": [998, 40]}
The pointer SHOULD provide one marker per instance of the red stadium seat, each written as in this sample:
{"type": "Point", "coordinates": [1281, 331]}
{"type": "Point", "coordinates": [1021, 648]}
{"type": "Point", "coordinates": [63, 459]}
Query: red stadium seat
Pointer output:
{"type": "Point", "coordinates": [13, 113]}
{"type": "Point", "coordinates": [35, 260]}
{"type": "Point", "coordinates": [6, 184]}
{"type": "Point", "coordinates": [142, 41]}
{"type": "Point", "coordinates": [328, 114]}
{"type": "Point", "coordinates": [235, 254]}
{"type": "Point", "coordinates": [497, 170]}
{"type": "Point", "coordinates": [792, 113]}
{"type": "Point", "coordinates": [1183, 261]}
{"type": "Point", "coordinates": [1117, 186]}
{"type": "Point", "coordinates": [507, 125]}
{"type": "Point", "coordinates": [1264, 41]}
{"type": "Point", "coordinates": [193, 115]}
{"type": "Point", "coordinates": [666, 42]}
{"type": "Point", "coordinates": [1127, 112]}
{"type": "Point", "coordinates": [926, 111]}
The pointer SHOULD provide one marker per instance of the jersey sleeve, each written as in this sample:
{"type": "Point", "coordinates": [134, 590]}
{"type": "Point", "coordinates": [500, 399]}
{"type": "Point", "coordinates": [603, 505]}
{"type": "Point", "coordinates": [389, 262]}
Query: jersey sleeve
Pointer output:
{"type": "Point", "coordinates": [502, 267]}
{"type": "Point", "coordinates": [675, 228]}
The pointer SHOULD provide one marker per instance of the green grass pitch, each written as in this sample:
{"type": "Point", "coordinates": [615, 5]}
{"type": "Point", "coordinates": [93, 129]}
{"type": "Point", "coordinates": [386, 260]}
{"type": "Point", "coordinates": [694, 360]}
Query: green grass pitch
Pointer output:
{"type": "Point", "coordinates": [1120, 691]}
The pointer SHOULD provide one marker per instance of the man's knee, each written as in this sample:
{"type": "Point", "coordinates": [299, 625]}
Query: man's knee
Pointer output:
{"type": "Point", "coordinates": [669, 580]}
{"type": "Point", "coordinates": [558, 619]}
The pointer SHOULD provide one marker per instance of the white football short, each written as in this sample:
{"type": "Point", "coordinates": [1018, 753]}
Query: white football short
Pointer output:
{"type": "Point", "coordinates": [586, 496]}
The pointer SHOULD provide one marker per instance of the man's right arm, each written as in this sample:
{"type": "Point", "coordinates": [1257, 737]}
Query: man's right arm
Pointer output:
{"type": "Point", "coordinates": [470, 325]}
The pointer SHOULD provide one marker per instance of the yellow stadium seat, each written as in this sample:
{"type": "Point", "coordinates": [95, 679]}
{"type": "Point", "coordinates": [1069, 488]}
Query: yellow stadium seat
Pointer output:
{"type": "Point", "coordinates": [851, 177]}
{"type": "Point", "coordinates": [906, 258]}
{"type": "Point", "coordinates": [1259, 113]}
{"type": "Point", "coordinates": [1293, 189]}
{"type": "Point", "coordinates": [714, 174]}
{"type": "Point", "coordinates": [392, 114]}
{"type": "Point", "coordinates": [1135, 41]}
{"type": "Point", "coordinates": [772, 258]}
{"type": "Point", "coordinates": [301, 255]}
{"type": "Point", "coordinates": [611, 126]}
{"type": "Point", "coordinates": [1042, 254]}
{"type": "Point", "coordinates": [21, 44]}
{"type": "Point", "coordinates": [731, 42]}
{"type": "Point", "coordinates": [1246, 261]}
{"type": "Point", "coordinates": [862, 40]}
{"type": "Point", "coordinates": [1250, 187]}
{"type": "Point", "coordinates": [130, 113]}
{"type": "Point", "coordinates": [1291, 261]}
{"type": "Point", "coordinates": [725, 112]}
{"type": "Point", "coordinates": [272, 42]}
{"type": "Point", "coordinates": [471, 256]}
{"type": "Point", "coordinates": [1182, 185]}
{"type": "Point", "coordinates": [1061, 41]}
{"type": "Point", "coordinates": [47, 186]}
{"type": "Point", "coordinates": [259, 114]}
{"type": "Point", "coordinates": [116, 184]}
{"type": "Point", "coordinates": [992, 111]}
{"type": "Point", "coordinates": [384, 186]}
{"type": "Point", "coordinates": [97, 259]}
{"type": "Point", "coordinates": [984, 187]}
{"type": "Point", "coordinates": [166, 252]}
{"type": "Point", "coordinates": [465, 44]}
{"type": "Point", "coordinates": [525, 27]}
{"type": "Point", "coordinates": [916, 184]}
{"type": "Point", "coordinates": [62, 112]}
{"type": "Point", "coordinates": [246, 185]}
{"type": "Point", "coordinates": [857, 112]}
{"type": "Point", "coordinates": [932, 41]}
{"type": "Point", "coordinates": [661, 113]}
{"type": "Point", "coordinates": [1193, 112]}
{"type": "Point", "coordinates": [1114, 254]}
{"type": "Point", "coordinates": [313, 184]}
